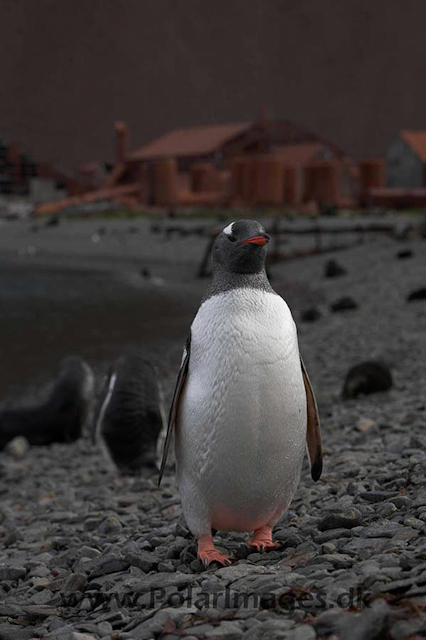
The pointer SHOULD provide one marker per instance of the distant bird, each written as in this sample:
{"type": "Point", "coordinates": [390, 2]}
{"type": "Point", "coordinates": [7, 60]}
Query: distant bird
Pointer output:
{"type": "Point", "coordinates": [243, 408]}
{"type": "Point", "coordinates": [366, 378]}
{"type": "Point", "coordinates": [62, 416]}
{"type": "Point", "coordinates": [343, 304]}
{"type": "Point", "coordinates": [333, 269]}
{"type": "Point", "coordinates": [129, 417]}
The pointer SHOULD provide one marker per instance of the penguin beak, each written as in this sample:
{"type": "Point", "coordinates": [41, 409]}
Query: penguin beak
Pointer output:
{"type": "Point", "coordinates": [263, 239]}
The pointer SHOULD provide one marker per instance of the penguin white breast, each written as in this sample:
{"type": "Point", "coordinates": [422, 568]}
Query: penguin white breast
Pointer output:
{"type": "Point", "coordinates": [242, 421]}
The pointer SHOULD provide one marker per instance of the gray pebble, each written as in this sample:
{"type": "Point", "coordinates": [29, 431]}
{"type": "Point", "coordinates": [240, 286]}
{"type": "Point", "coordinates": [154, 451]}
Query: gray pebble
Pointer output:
{"type": "Point", "coordinates": [11, 572]}
{"type": "Point", "coordinates": [144, 560]}
{"type": "Point", "coordinates": [339, 521]}
{"type": "Point", "coordinates": [75, 582]}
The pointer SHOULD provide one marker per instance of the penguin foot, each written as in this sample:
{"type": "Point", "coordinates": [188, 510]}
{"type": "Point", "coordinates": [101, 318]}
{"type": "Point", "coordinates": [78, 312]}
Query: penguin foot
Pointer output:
{"type": "Point", "coordinates": [208, 553]}
{"type": "Point", "coordinates": [262, 539]}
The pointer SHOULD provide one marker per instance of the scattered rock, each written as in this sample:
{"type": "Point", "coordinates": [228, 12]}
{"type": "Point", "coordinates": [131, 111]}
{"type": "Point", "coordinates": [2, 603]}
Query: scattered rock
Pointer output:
{"type": "Point", "coordinates": [406, 629]}
{"type": "Point", "coordinates": [365, 425]}
{"type": "Point", "coordinates": [345, 520]}
{"type": "Point", "coordinates": [164, 580]}
{"type": "Point", "coordinates": [333, 269]}
{"type": "Point", "coordinates": [75, 582]}
{"type": "Point", "coordinates": [366, 378]}
{"type": "Point", "coordinates": [417, 294]}
{"type": "Point", "coordinates": [404, 253]}
{"type": "Point", "coordinates": [310, 315]}
{"type": "Point", "coordinates": [11, 572]}
{"type": "Point", "coordinates": [144, 560]}
{"type": "Point", "coordinates": [378, 496]}
{"type": "Point", "coordinates": [343, 304]}
{"type": "Point", "coordinates": [102, 566]}
{"type": "Point", "coordinates": [12, 632]}
{"type": "Point", "coordinates": [372, 624]}
{"type": "Point", "coordinates": [382, 530]}
{"type": "Point", "coordinates": [18, 447]}
{"type": "Point", "coordinates": [110, 526]}
{"type": "Point", "coordinates": [334, 534]}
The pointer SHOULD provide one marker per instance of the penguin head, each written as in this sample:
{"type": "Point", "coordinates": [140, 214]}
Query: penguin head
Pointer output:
{"type": "Point", "coordinates": [241, 247]}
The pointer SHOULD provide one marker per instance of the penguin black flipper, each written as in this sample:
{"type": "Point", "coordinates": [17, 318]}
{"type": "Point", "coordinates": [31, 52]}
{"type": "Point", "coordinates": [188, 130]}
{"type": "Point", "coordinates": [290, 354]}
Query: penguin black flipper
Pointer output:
{"type": "Point", "coordinates": [180, 382]}
{"type": "Point", "coordinates": [313, 432]}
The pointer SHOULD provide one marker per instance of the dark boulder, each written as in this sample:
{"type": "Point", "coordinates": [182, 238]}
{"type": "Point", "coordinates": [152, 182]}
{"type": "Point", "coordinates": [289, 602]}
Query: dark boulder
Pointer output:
{"type": "Point", "coordinates": [404, 254]}
{"type": "Point", "coordinates": [333, 269]}
{"type": "Point", "coordinates": [366, 378]}
{"type": "Point", "coordinates": [310, 315]}
{"type": "Point", "coordinates": [418, 294]}
{"type": "Point", "coordinates": [343, 304]}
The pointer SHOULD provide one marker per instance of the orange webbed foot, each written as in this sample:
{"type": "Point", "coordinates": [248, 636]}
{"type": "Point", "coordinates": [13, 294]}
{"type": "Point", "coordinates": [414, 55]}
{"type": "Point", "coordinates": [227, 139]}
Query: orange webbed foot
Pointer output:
{"type": "Point", "coordinates": [262, 539]}
{"type": "Point", "coordinates": [208, 553]}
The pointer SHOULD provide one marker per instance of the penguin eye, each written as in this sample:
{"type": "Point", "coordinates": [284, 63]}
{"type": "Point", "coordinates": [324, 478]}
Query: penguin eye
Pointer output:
{"type": "Point", "coordinates": [232, 238]}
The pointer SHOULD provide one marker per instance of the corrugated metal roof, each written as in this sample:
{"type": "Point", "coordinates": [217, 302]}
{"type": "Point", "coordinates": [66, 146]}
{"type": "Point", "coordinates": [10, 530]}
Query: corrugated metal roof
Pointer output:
{"type": "Point", "coordinates": [417, 141]}
{"type": "Point", "coordinates": [191, 141]}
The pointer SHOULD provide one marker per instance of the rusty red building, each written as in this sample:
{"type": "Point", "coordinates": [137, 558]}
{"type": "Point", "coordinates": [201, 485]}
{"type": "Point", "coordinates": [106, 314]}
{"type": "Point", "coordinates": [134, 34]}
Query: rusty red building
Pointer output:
{"type": "Point", "coordinates": [266, 163]}
{"type": "Point", "coordinates": [404, 185]}
{"type": "Point", "coordinates": [249, 163]}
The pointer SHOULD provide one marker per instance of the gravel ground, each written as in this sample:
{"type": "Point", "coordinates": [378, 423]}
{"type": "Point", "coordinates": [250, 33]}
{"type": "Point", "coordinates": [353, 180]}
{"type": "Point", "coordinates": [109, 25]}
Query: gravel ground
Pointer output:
{"type": "Point", "coordinates": [85, 554]}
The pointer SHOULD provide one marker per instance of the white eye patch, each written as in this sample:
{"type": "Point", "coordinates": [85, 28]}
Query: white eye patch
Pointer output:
{"type": "Point", "coordinates": [228, 229]}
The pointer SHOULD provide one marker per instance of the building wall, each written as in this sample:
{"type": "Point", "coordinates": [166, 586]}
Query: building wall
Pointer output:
{"type": "Point", "coordinates": [43, 190]}
{"type": "Point", "coordinates": [404, 169]}
{"type": "Point", "coordinates": [16, 170]}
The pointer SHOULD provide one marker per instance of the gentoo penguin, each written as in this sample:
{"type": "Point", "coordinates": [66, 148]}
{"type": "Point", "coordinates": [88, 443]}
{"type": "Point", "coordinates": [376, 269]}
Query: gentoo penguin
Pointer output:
{"type": "Point", "coordinates": [130, 416]}
{"type": "Point", "coordinates": [62, 416]}
{"type": "Point", "coordinates": [243, 408]}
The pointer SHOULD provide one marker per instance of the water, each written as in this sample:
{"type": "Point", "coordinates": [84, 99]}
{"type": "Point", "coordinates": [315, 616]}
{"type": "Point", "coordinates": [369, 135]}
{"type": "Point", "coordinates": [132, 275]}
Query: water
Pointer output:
{"type": "Point", "coordinates": [47, 313]}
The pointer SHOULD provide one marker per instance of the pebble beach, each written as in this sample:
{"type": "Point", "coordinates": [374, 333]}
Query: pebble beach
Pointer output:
{"type": "Point", "coordinates": [86, 554]}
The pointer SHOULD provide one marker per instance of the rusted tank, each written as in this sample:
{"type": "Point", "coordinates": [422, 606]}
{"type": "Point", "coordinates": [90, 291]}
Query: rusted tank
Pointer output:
{"type": "Point", "coordinates": [322, 182]}
{"type": "Point", "coordinates": [291, 185]}
{"type": "Point", "coordinates": [165, 182]}
{"type": "Point", "coordinates": [204, 177]}
{"type": "Point", "coordinates": [372, 174]}
{"type": "Point", "coordinates": [268, 181]}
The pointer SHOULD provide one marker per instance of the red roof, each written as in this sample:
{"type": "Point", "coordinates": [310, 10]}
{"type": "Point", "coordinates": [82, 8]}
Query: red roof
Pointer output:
{"type": "Point", "coordinates": [191, 141]}
{"type": "Point", "coordinates": [417, 141]}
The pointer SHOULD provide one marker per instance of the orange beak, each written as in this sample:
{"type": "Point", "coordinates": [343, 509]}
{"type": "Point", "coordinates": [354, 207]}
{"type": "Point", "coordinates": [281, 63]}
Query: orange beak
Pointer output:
{"type": "Point", "coordinates": [256, 240]}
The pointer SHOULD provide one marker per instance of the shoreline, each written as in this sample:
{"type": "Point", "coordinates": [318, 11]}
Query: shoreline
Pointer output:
{"type": "Point", "coordinates": [81, 550]}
